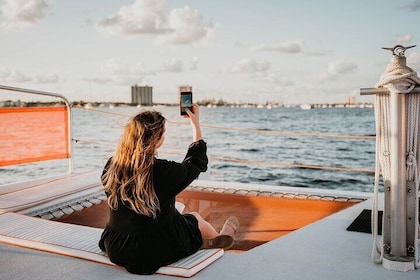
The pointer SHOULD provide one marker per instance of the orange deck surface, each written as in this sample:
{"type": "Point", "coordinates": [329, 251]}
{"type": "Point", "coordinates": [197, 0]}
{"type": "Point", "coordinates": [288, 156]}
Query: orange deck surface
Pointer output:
{"type": "Point", "coordinates": [262, 218]}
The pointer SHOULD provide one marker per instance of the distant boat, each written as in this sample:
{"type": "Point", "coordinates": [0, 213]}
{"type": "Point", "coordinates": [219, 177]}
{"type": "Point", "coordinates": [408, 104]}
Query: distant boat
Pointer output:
{"type": "Point", "coordinates": [305, 106]}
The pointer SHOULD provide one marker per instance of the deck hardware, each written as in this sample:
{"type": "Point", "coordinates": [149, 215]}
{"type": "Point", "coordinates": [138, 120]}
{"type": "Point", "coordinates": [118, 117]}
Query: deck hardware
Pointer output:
{"type": "Point", "coordinates": [396, 114]}
{"type": "Point", "coordinates": [387, 248]}
{"type": "Point", "coordinates": [399, 50]}
{"type": "Point", "coordinates": [410, 249]}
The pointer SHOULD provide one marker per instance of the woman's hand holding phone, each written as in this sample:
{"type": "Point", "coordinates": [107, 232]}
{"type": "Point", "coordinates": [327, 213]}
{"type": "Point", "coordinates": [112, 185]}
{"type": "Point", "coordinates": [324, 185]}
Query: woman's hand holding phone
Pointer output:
{"type": "Point", "coordinates": [194, 117]}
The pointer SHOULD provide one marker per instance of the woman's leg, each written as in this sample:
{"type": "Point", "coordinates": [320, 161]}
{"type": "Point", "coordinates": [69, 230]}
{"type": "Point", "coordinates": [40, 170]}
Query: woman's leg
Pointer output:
{"type": "Point", "coordinates": [207, 230]}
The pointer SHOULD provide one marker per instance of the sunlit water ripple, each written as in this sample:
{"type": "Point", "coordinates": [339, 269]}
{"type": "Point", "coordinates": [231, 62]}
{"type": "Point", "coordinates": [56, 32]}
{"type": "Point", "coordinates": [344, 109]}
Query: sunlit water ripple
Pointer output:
{"type": "Point", "coordinates": [102, 132]}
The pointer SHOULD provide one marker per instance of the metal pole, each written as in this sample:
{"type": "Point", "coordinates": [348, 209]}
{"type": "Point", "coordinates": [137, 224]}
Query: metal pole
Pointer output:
{"type": "Point", "coordinates": [398, 175]}
{"type": "Point", "coordinates": [395, 238]}
{"type": "Point", "coordinates": [372, 91]}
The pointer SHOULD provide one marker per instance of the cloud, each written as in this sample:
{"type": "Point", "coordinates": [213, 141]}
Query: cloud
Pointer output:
{"type": "Point", "coordinates": [115, 67]}
{"type": "Point", "coordinates": [15, 76]}
{"type": "Point", "coordinates": [188, 27]}
{"type": "Point", "coordinates": [248, 66]}
{"type": "Point", "coordinates": [122, 73]}
{"type": "Point", "coordinates": [413, 61]}
{"type": "Point", "coordinates": [142, 17]}
{"type": "Point", "coordinates": [337, 68]}
{"type": "Point", "coordinates": [194, 63]}
{"type": "Point", "coordinates": [292, 47]}
{"type": "Point", "coordinates": [414, 5]}
{"type": "Point", "coordinates": [401, 40]}
{"type": "Point", "coordinates": [21, 14]}
{"type": "Point", "coordinates": [46, 78]}
{"type": "Point", "coordinates": [279, 80]}
{"type": "Point", "coordinates": [12, 75]}
{"type": "Point", "coordinates": [154, 18]}
{"type": "Point", "coordinates": [173, 65]}
{"type": "Point", "coordinates": [98, 80]}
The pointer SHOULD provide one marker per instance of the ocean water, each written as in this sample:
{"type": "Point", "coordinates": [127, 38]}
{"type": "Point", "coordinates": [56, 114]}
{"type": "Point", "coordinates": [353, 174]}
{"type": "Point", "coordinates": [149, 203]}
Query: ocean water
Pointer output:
{"type": "Point", "coordinates": [249, 136]}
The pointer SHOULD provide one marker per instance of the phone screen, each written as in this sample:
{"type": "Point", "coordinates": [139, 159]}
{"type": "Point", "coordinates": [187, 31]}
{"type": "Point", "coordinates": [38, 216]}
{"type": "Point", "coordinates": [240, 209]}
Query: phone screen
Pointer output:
{"type": "Point", "coordinates": [185, 102]}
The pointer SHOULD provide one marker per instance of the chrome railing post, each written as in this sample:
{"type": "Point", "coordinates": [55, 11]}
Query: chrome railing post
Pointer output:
{"type": "Point", "coordinates": [398, 187]}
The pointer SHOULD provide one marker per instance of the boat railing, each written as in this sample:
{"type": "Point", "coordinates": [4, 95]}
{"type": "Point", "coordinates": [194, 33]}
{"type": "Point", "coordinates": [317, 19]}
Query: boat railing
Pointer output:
{"type": "Point", "coordinates": [5, 113]}
{"type": "Point", "coordinates": [35, 133]}
{"type": "Point", "coordinates": [247, 130]}
{"type": "Point", "coordinates": [373, 91]}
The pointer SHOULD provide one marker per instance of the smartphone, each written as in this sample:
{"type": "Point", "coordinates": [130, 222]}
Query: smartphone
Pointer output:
{"type": "Point", "coordinates": [185, 99]}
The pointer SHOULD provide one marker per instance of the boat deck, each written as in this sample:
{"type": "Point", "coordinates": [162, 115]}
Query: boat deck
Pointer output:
{"type": "Point", "coordinates": [322, 249]}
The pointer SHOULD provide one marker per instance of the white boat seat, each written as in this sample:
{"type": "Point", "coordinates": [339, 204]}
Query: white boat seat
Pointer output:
{"type": "Point", "coordinates": [38, 197]}
{"type": "Point", "coordinates": [82, 242]}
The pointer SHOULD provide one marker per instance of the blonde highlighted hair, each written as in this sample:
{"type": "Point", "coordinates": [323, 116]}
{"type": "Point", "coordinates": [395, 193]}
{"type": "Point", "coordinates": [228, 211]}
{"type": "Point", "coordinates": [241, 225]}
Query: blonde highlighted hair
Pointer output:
{"type": "Point", "coordinates": [129, 177]}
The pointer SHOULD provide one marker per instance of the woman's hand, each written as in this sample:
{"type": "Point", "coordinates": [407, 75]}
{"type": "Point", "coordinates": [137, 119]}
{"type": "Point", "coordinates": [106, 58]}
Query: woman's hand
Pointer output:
{"type": "Point", "coordinates": [194, 117]}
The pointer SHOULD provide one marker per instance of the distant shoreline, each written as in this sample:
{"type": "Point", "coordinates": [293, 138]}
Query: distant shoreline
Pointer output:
{"type": "Point", "coordinates": [269, 105]}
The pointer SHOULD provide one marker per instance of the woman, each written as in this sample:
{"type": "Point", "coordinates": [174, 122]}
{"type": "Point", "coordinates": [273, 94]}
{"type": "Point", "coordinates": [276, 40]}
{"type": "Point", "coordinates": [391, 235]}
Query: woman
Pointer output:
{"type": "Point", "coordinates": [145, 231]}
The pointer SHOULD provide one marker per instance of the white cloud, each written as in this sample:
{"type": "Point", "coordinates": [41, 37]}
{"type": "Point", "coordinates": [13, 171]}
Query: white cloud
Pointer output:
{"type": "Point", "coordinates": [121, 73]}
{"type": "Point", "coordinates": [98, 80]}
{"type": "Point", "coordinates": [337, 68]}
{"type": "Point", "coordinates": [15, 76]}
{"type": "Point", "coordinates": [248, 66]}
{"type": "Point", "coordinates": [414, 5]}
{"type": "Point", "coordinates": [188, 27]}
{"type": "Point", "coordinates": [12, 75]}
{"type": "Point", "coordinates": [279, 80]}
{"type": "Point", "coordinates": [142, 17]}
{"type": "Point", "coordinates": [115, 67]}
{"type": "Point", "coordinates": [45, 78]}
{"type": "Point", "coordinates": [21, 14]}
{"type": "Point", "coordinates": [154, 18]}
{"type": "Point", "coordinates": [401, 40]}
{"type": "Point", "coordinates": [293, 47]}
{"type": "Point", "coordinates": [173, 65]}
{"type": "Point", "coordinates": [194, 63]}
{"type": "Point", "coordinates": [413, 61]}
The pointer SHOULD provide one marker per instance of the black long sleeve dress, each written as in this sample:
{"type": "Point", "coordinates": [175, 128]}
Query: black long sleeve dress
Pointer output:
{"type": "Point", "coordinates": [142, 244]}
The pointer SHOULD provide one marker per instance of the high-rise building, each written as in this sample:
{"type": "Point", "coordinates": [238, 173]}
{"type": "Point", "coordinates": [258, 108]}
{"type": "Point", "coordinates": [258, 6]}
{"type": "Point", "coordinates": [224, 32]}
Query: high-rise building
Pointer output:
{"type": "Point", "coordinates": [351, 100]}
{"type": "Point", "coordinates": [142, 95]}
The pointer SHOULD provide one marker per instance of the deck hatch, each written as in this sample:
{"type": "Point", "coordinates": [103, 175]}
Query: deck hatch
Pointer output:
{"type": "Point", "coordinates": [363, 222]}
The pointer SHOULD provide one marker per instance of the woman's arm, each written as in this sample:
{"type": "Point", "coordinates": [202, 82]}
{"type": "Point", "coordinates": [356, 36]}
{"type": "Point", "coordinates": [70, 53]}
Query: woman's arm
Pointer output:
{"type": "Point", "coordinates": [194, 117]}
{"type": "Point", "coordinates": [172, 177]}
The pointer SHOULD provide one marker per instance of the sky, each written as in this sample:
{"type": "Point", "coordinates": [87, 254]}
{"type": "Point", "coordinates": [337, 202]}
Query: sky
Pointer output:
{"type": "Point", "coordinates": [293, 52]}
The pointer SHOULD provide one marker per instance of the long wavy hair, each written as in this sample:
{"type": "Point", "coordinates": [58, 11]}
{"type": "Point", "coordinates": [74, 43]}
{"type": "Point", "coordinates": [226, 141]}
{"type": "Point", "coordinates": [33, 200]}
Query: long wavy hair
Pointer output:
{"type": "Point", "coordinates": [130, 174]}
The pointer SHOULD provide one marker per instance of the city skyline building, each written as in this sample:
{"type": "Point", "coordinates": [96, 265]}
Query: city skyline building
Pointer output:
{"type": "Point", "coordinates": [142, 95]}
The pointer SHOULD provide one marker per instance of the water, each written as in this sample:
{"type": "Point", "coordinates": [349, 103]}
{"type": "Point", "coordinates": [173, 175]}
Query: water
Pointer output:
{"type": "Point", "coordinates": [100, 132]}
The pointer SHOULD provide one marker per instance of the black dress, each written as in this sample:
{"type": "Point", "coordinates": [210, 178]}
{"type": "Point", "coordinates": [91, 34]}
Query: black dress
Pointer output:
{"type": "Point", "coordinates": [142, 244]}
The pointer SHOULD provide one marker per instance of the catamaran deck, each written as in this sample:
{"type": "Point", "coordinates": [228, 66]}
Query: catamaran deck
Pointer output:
{"type": "Point", "coordinates": [321, 250]}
